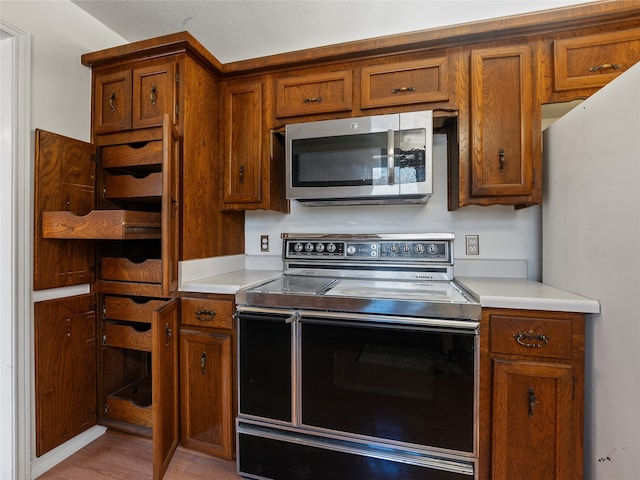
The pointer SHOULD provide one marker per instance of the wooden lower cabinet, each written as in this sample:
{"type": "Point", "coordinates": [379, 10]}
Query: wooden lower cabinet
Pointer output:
{"type": "Point", "coordinates": [65, 369]}
{"type": "Point", "coordinates": [531, 395]}
{"type": "Point", "coordinates": [206, 376]}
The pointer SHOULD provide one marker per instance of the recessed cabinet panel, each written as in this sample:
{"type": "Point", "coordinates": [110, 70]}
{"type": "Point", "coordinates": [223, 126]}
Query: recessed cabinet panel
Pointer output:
{"type": "Point", "coordinates": [313, 94]}
{"type": "Point", "coordinates": [405, 83]}
{"type": "Point", "coordinates": [592, 61]}
{"type": "Point", "coordinates": [501, 122]}
{"type": "Point", "coordinates": [153, 94]}
{"type": "Point", "coordinates": [112, 97]}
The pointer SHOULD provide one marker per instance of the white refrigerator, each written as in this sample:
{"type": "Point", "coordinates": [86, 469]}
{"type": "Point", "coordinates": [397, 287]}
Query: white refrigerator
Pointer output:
{"type": "Point", "coordinates": [591, 246]}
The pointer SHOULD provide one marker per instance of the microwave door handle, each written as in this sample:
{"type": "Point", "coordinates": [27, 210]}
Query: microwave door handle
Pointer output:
{"type": "Point", "coordinates": [391, 174]}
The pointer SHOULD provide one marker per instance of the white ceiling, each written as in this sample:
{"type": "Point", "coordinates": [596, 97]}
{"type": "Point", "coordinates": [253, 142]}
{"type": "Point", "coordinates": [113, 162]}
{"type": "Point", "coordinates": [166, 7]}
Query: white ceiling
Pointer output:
{"type": "Point", "coordinates": [235, 30]}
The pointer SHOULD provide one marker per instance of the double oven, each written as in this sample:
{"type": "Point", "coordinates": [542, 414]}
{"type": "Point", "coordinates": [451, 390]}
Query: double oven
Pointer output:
{"type": "Point", "coordinates": [359, 362]}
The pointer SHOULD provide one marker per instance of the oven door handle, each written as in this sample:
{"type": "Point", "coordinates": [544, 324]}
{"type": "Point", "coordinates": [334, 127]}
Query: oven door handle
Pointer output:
{"type": "Point", "coordinates": [302, 316]}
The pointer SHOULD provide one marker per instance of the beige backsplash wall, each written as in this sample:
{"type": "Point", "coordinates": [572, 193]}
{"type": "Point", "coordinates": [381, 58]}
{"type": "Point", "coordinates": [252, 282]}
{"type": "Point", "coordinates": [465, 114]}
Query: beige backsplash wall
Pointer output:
{"type": "Point", "coordinates": [505, 233]}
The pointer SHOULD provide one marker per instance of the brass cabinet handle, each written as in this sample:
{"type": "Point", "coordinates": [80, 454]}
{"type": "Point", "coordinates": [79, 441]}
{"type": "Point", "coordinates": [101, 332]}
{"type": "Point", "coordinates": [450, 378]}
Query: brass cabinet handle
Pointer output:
{"type": "Point", "coordinates": [153, 95]}
{"type": "Point", "coordinates": [313, 99]}
{"type": "Point", "coordinates": [205, 315]}
{"type": "Point", "coordinates": [614, 66]}
{"type": "Point", "coordinates": [501, 159]}
{"type": "Point", "coordinates": [532, 400]}
{"type": "Point", "coordinates": [241, 174]}
{"type": "Point", "coordinates": [203, 363]}
{"type": "Point", "coordinates": [169, 334]}
{"type": "Point", "coordinates": [112, 101]}
{"type": "Point", "coordinates": [403, 89]}
{"type": "Point", "coordinates": [531, 339]}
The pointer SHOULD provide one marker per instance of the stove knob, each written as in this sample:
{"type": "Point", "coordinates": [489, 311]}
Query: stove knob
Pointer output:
{"type": "Point", "coordinates": [406, 248]}
{"type": "Point", "coordinates": [394, 247]}
{"type": "Point", "coordinates": [309, 247]}
{"type": "Point", "coordinates": [419, 248]}
{"type": "Point", "coordinates": [432, 248]}
{"type": "Point", "coordinates": [351, 249]}
{"type": "Point", "coordinates": [331, 247]}
{"type": "Point", "coordinates": [298, 247]}
{"type": "Point", "coordinates": [319, 247]}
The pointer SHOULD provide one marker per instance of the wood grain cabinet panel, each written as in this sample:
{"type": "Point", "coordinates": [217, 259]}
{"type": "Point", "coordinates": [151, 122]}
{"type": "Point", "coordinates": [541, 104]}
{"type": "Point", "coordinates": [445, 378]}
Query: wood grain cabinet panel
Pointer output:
{"type": "Point", "coordinates": [405, 83]}
{"type": "Point", "coordinates": [592, 61]}
{"type": "Point", "coordinates": [65, 369]}
{"type": "Point", "coordinates": [312, 94]}
{"type": "Point", "coordinates": [112, 101]}
{"type": "Point", "coordinates": [207, 392]}
{"type": "Point", "coordinates": [532, 395]}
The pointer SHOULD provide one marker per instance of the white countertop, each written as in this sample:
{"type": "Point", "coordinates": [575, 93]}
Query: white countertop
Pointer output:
{"type": "Point", "coordinates": [521, 293]}
{"type": "Point", "coordinates": [515, 293]}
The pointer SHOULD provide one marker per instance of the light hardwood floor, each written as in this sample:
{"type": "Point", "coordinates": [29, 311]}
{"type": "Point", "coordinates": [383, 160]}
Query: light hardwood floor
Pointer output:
{"type": "Point", "coordinates": [118, 456]}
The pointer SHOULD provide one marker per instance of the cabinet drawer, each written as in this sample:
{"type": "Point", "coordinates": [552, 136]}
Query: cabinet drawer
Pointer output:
{"type": "Point", "coordinates": [593, 61]}
{"type": "Point", "coordinates": [207, 313]}
{"type": "Point", "coordinates": [540, 337]}
{"type": "Point", "coordinates": [133, 187]}
{"type": "Point", "coordinates": [405, 83]}
{"type": "Point", "coordinates": [135, 336]}
{"type": "Point", "coordinates": [102, 225]}
{"type": "Point", "coordinates": [131, 404]}
{"type": "Point", "coordinates": [312, 94]}
{"type": "Point", "coordinates": [136, 154]}
{"type": "Point", "coordinates": [124, 308]}
{"type": "Point", "coordinates": [124, 270]}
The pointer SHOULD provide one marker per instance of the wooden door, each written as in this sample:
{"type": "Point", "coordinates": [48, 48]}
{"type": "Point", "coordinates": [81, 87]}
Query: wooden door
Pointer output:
{"type": "Point", "coordinates": [64, 181]}
{"type": "Point", "coordinates": [164, 377]}
{"type": "Point", "coordinates": [154, 94]}
{"type": "Point", "coordinates": [207, 392]}
{"type": "Point", "coordinates": [533, 421]}
{"type": "Point", "coordinates": [502, 117]}
{"type": "Point", "coordinates": [65, 369]}
{"type": "Point", "coordinates": [112, 101]}
{"type": "Point", "coordinates": [242, 142]}
{"type": "Point", "coordinates": [171, 194]}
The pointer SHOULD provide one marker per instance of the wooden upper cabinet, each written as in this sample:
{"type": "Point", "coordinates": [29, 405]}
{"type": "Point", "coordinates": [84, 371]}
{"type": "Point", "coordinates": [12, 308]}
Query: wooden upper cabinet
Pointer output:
{"type": "Point", "coordinates": [112, 97]}
{"type": "Point", "coordinates": [312, 94]}
{"type": "Point", "coordinates": [405, 83]}
{"type": "Point", "coordinates": [504, 127]}
{"type": "Point", "coordinates": [134, 98]}
{"type": "Point", "coordinates": [252, 160]}
{"type": "Point", "coordinates": [592, 61]}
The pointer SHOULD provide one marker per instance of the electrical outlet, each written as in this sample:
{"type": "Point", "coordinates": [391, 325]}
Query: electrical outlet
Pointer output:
{"type": "Point", "coordinates": [473, 244]}
{"type": "Point", "coordinates": [264, 243]}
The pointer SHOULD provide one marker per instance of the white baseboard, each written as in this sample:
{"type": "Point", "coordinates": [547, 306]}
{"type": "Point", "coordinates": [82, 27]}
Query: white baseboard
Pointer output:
{"type": "Point", "coordinates": [50, 459]}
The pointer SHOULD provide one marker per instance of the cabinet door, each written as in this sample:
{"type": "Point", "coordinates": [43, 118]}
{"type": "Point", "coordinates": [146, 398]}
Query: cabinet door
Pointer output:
{"type": "Point", "coordinates": [533, 420]}
{"type": "Point", "coordinates": [405, 83]}
{"type": "Point", "coordinates": [64, 181]}
{"type": "Point", "coordinates": [502, 123]}
{"type": "Point", "coordinates": [242, 142]}
{"type": "Point", "coordinates": [65, 369]}
{"type": "Point", "coordinates": [207, 392]}
{"type": "Point", "coordinates": [112, 101]}
{"type": "Point", "coordinates": [164, 377]}
{"type": "Point", "coordinates": [154, 91]}
{"type": "Point", "coordinates": [313, 94]}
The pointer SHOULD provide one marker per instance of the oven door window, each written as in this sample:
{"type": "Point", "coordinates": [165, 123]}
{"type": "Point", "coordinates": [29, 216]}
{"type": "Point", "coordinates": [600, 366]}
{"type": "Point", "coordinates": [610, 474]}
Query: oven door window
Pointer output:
{"type": "Point", "coordinates": [265, 367]}
{"type": "Point", "coordinates": [411, 386]}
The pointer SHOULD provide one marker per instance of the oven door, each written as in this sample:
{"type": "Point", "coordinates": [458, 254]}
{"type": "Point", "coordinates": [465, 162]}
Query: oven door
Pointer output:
{"type": "Point", "coordinates": [413, 384]}
{"type": "Point", "coordinates": [403, 381]}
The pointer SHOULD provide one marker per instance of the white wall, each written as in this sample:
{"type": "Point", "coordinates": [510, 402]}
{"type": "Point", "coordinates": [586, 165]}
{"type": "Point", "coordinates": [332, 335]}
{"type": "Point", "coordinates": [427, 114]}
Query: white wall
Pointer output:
{"type": "Point", "coordinates": [505, 233]}
{"type": "Point", "coordinates": [60, 101]}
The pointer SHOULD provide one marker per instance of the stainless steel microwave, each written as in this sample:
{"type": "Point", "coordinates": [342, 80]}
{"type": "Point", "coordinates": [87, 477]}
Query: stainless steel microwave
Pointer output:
{"type": "Point", "coordinates": [363, 160]}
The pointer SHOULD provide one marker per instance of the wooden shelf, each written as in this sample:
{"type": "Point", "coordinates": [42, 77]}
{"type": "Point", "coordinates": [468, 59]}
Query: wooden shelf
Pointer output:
{"type": "Point", "coordinates": [102, 225]}
{"type": "Point", "coordinates": [131, 404]}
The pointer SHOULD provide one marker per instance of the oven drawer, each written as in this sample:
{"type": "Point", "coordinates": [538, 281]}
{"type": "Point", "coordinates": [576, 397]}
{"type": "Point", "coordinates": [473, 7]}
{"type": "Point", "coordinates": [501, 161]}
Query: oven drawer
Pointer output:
{"type": "Point", "coordinates": [203, 312]}
{"type": "Point", "coordinates": [539, 337]}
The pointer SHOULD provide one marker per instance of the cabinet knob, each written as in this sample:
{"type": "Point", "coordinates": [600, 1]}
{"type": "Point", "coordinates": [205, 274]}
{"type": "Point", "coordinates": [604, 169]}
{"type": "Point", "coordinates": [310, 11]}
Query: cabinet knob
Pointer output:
{"type": "Point", "coordinates": [203, 363]}
{"type": "Point", "coordinates": [532, 400]}
{"type": "Point", "coordinates": [313, 100]}
{"type": "Point", "coordinates": [501, 159]}
{"type": "Point", "coordinates": [153, 95]}
{"type": "Point", "coordinates": [241, 174]}
{"type": "Point", "coordinates": [112, 101]}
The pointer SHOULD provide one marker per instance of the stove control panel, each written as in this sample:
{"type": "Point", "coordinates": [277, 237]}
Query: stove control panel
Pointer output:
{"type": "Point", "coordinates": [437, 251]}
